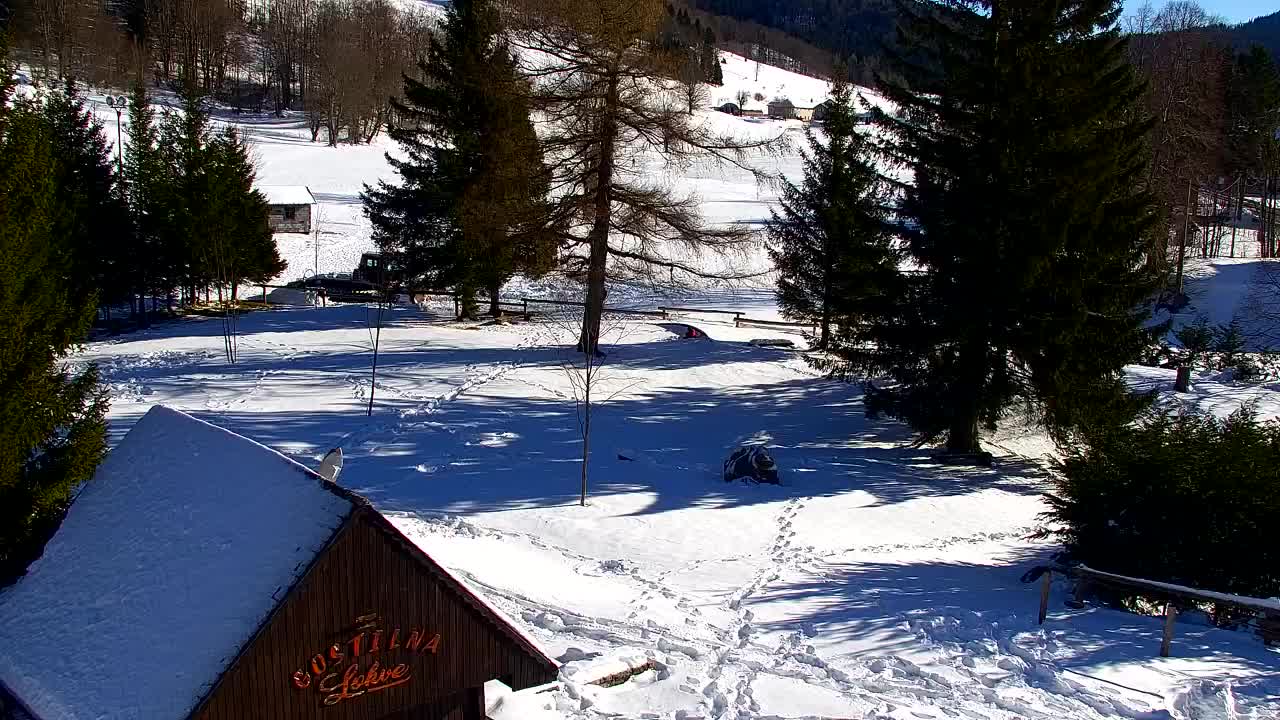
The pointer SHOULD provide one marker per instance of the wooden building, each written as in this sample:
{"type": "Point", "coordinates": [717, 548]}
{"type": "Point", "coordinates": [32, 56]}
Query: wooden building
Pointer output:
{"type": "Point", "coordinates": [200, 575]}
{"type": "Point", "coordinates": [288, 208]}
{"type": "Point", "coordinates": [782, 109]}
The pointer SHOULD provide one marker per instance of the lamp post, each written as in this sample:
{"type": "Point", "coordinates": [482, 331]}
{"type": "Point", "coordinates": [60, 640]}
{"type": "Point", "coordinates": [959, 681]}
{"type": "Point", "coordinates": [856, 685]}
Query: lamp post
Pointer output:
{"type": "Point", "coordinates": [118, 104]}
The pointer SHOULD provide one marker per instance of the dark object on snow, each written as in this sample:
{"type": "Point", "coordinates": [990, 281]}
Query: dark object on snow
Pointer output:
{"type": "Point", "coordinates": [624, 457]}
{"type": "Point", "coordinates": [751, 463]}
{"type": "Point", "coordinates": [684, 330]}
{"type": "Point", "coordinates": [978, 459]}
{"type": "Point", "coordinates": [774, 343]}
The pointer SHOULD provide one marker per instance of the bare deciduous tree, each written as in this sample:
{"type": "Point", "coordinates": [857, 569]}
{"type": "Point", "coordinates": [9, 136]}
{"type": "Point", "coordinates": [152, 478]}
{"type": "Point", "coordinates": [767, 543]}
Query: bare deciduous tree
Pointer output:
{"type": "Point", "coordinates": [1185, 61]}
{"type": "Point", "coordinates": [605, 128]}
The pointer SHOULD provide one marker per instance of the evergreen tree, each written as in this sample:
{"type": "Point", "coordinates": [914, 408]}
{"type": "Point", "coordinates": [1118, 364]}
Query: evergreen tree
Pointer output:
{"type": "Point", "coordinates": [469, 207]}
{"type": "Point", "coordinates": [90, 215]}
{"type": "Point", "coordinates": [185, 235]}
{"type": "Point", "coordinates": [147, 181]}
{"type": "Point", "coordinates": [52, 432]}
{"type": "Point", "coordinates": [711, 70]}
{"type": "Point", "coordinates": [1252, 102]}
{"type": "Point", "coordinates": [829, 240]}
{"type": "Point", "coordinates": [1022, 131]}
{"type": "Point", "coordinates": [234, 216]}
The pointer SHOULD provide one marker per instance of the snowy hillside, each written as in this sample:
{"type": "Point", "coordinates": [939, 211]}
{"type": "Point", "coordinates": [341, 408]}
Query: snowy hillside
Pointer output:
{"type": "Point", "coordinates": [286, 156]}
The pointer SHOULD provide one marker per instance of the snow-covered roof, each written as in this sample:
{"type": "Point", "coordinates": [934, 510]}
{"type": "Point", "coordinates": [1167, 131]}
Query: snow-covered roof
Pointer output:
{"type": "Point", "coordinates": [167, 563]}
{"type": "Point", "coordinates": [287, 194]}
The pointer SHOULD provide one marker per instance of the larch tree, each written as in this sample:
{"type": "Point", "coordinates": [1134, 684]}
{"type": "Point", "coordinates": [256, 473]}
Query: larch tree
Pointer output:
{"type": "Point", "coordinates": [52, 429]}
{"type": "Point", "coordinates": [829, 239]}
{"type": "Point", "coordinates": [470, 208]}
{"type": "Point", "coordinates": [598, 83]}
{"type": "Point", "coordinates": [1023, 131]}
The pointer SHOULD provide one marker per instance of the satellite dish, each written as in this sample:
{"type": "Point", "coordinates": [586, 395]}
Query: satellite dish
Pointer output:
{"type": "Point", "coordinates": [331, 466]}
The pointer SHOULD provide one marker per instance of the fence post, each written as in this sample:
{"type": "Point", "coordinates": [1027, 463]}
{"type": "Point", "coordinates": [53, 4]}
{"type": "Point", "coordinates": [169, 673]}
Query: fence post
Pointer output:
{"type": "Point", "coordinates": [1077, 595]}
{"type": "Point", "coordinates": [1170, 615]}
{"type": "Point", "coordinates": [264, 294]}
{"type": "Point", "coordinates": [526, 308]}
{"type": "Point", "coordinates": [1044, 596]}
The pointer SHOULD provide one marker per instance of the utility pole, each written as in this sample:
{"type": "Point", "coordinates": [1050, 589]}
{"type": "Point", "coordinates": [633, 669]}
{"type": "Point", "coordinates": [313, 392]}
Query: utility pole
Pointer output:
{"type": "Point", "coordinates": [117, 104]}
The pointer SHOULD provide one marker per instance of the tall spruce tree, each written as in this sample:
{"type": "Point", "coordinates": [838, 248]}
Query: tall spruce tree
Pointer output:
{"type": "Point", "coordinates": [234, 216]}
{"type": "Point", "coordinates": [154, 265]}
{"type": "Point", "coordinates": [829, 240]}
{"type": "Point", "coordinates": [470, 206]}
{"type": "Point", "coordinates": [184, 236]}
{"type": "Point", "coordinates": [91, 215]}
{"type": "Point", "coordinates": [1022, 129]}
{"type": "Point", "coordinates": [210, 224]}
{"type": "Point", "coordinates": [52, 432]}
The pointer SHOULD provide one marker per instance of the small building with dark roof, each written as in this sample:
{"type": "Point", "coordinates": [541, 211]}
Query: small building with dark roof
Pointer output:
{"type": "Point", "coordinates": [203, 576]}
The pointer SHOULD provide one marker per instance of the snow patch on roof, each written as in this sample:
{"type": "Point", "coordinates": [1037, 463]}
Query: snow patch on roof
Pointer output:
{"type": "Point", "coordinates": [168, 561]}
{"type": "Point", "coordinates": [287, 194]}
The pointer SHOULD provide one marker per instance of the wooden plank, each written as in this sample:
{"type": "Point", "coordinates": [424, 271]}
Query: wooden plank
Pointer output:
{"type": "Point", "coordinates": [770, 323]}
{"type": "Point", "coordinates": [1044, 595]}
{"type": "Point", "coordinates": [1161, 589]}
{"type": "Point", "coordinates": [1170, 616]}
{"type": "Point", "coordinates": [672, 308]}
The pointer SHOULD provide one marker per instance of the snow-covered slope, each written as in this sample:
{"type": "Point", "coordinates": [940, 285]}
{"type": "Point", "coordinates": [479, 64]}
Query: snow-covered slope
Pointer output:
{"type": "Point", "coordinates": [286, 156]}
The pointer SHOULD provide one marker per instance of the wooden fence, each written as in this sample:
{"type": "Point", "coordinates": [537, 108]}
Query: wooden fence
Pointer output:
{"type": "Point", "coordinates": [1265, 612]}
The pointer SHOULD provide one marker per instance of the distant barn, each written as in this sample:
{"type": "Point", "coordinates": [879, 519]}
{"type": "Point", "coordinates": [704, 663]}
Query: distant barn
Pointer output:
{"type": "Point", "coordinates": [288, 207]}
{"type": "Point", "coordinates": [783, 109]}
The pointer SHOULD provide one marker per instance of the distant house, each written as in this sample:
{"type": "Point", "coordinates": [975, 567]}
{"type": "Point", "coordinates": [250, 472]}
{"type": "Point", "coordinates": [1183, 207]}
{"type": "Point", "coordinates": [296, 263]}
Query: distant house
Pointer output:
{"type": "Point", "coordinates": [288, 208]}
{"type": "Point", "coordinates": [752, 108]}
{"type": "Point", "coordinates": [821, 110]}
{"type": "Point", "coordinates": [782, 109]}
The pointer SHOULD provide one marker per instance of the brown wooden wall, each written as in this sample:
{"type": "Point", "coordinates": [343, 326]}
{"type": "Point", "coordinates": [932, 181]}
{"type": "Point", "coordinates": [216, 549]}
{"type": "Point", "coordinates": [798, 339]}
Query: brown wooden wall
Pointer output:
{"type": "Point", "coordinates": [370, 568]}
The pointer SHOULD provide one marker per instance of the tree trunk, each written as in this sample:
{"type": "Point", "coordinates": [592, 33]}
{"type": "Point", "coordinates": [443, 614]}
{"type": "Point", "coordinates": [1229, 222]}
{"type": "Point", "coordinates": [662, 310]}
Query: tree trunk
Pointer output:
{"type": "Point", "coordinates": [962, 438]}
{"type": "Point", "coordinates": [589, 340]}
{"type": "Point", "coordinates": [494, 288]}
{"type": "Point", "coordinates": [825, 336]}
{"type": "Point", "coordinates": [962, 435]}
{"type": "Point", "coordinates": [466, 303]}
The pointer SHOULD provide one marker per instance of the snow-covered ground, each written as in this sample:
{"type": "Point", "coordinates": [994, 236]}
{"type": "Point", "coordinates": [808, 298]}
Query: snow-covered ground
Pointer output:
{"type": "Point", "coordinates": [873, 583]}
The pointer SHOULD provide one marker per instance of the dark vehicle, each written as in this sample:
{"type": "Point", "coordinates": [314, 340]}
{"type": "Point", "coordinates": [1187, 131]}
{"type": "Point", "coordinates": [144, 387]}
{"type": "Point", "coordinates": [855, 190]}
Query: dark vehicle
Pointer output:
{"type": "Point", "coordinates": [338, 288]}
{"type": "Point", "coordinates": [376, 269]}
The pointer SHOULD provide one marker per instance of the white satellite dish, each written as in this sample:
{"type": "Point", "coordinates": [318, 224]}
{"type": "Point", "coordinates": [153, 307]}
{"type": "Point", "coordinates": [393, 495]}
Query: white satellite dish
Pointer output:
{"type": "Point", "coordinates": [331, 466]}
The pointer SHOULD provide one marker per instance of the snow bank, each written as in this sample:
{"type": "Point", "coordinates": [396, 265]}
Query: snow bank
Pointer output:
{"type": "Point", "coordinates": [167, 563]}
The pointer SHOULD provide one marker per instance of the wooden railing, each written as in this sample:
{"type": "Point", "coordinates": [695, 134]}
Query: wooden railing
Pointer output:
{"type": "Point", "coordinates": [1266, 612]}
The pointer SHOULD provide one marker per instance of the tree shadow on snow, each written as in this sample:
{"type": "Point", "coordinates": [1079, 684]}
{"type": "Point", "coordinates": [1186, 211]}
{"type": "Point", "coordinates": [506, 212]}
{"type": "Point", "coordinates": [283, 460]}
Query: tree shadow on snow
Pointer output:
{"type": "Point", "coordinates": [489, 440]}
{"type": "Point", "coordinates": [984, 611]}
{"type": "Point", "coordinates": [490, 451]}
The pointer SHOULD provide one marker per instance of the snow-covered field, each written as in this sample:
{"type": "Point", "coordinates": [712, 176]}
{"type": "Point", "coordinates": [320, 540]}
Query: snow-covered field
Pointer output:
{"type": "Point", "coordinates": [873, 582]}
